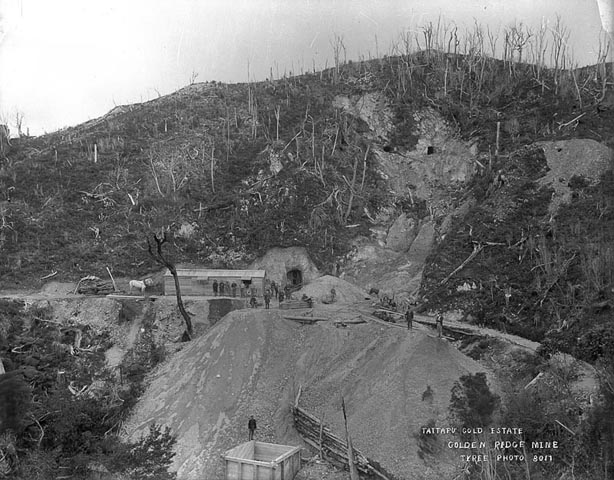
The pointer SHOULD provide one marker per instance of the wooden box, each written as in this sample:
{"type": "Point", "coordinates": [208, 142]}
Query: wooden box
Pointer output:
{"type": "Point", "coordinates": [262, 461]}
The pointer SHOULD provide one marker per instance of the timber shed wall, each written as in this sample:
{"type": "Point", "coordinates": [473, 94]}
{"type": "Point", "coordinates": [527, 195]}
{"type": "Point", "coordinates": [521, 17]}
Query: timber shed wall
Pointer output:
{"type": "Point", "coordinates": [199, 282]}
{"type": "Point", "coordinates": [262, 461]}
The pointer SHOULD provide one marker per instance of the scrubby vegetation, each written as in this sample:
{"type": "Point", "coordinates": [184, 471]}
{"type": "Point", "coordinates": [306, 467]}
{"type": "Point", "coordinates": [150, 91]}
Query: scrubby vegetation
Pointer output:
{"type": "Point", "coordinates": [558, 271]}
{"type": "Point", "coordinates": [61, 410]}
{"type": "Point", "coordinates": [472, 403]}
{"type": "Point", "coordinates": [233, 170]}
{"type": "Point", "coordinates": [547, 411]}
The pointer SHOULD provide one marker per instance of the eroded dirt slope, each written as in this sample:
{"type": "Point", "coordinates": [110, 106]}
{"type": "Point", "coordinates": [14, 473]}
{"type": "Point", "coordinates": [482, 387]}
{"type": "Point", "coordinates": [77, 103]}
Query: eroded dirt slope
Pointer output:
{"type": "Point", "coordinates": [252, 363]}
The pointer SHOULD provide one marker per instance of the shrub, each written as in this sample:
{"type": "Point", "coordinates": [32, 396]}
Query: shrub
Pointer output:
{"type": "Point", "coordinates": [150, 456]}
{"type": "Point", "coordinates": [472, 402]}
{"type": "Point", "coordinates": [597, 342]}
{"type": "Point", "coordinates": [597, 433]}
{"type": "Point", "coordinates": [14, 401]}
{"type": "Point", "coordinates": [37, 465]}
{"type": "Point", "coordinates": [427, 444]}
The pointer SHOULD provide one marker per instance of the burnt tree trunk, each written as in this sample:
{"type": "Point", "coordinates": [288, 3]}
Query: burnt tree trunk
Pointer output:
{"type": "Point", "coordinates": [162, 260]}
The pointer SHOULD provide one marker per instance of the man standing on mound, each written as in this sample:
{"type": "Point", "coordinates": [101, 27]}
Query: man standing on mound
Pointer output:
{"type": "Point", "coordinates": [251, 425]}
{"type": "Point", "coordinates": [439, 323]}
{"type": "Point", "coordinates": [409, 317]}
{"type": "Point", "coordinates": [267, 299]}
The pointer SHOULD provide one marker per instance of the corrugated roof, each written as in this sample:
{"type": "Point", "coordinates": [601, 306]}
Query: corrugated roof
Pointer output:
{"type": "Point", "coordinates": [206, 272]}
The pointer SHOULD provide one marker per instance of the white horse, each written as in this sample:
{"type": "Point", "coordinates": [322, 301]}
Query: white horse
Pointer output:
{"type": "Point", "coordinates": [138, 284]}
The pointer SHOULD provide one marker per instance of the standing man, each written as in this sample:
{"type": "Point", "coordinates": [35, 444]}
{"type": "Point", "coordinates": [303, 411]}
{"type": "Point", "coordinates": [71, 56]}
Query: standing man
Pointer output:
{"type": "Point", "coordinates": [234, 289]}
{"type": "Point", "coordinates": [481, 316]}
{"type": "Point", "coordinates": [508, 295]}
{"type": "Point", "coordinates": [215, 288]}
{"type": "Point", "coordinates": [281, 296]}
{"type": "Point", "coordinates": [251, 426]}
{"type": "Point", "coordinates": [274, 287]}
{"type": "Point", "coordinates": [409, 316]}
{"type": "Point", "coordinates": [439, 323]}
{"type": "Point", "coordinates": [222, 287]}
{"type": "Point", "coordinates": [267, 299]}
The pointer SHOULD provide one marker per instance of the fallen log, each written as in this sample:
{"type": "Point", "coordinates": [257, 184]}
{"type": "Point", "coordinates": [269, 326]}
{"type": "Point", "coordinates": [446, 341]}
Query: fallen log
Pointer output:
{"type": "Point", "coordinates": [92, 285]}
{"type": "Point", "coordinates": [304, 319]}
{"type": "Point", "coordinates": [53, 274]}
{"type": "Point", "coordinates": [476, 249]}
{"type": "Point", "coordinates": [391, 312]}
{"type": "Point", "coordinates": [294, 304]}
{"type": "Point", "coordinates": [329, 456]}
{"type": "Point", "coordinates": [382, 322]}
{"type": "Point", "coordinates": [454, 329]}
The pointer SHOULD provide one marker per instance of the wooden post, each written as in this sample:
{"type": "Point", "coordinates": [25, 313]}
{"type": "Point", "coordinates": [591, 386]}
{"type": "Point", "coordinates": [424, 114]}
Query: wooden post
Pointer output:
{"type": "Point", "coordinates": [78, 337]}
{"type": "Point", "coordinates": [497, 141]}
{"type": "Point", "coordinates": [212, 165]}
{"type": "Point", "coordinates": [112, 280]}
{"type": "Point", "coordinates": [320, 439]}
{"type": "Point", "coordinates": [298, 395]}
{"type": "Point", "coordinates": [351, 463]}
{"type": "Point", "coordinates": [95, 153]}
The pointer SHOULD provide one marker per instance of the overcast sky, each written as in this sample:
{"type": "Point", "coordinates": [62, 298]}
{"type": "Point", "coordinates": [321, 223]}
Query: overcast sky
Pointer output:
{"type": "Point", "coordinates": [63, 62]}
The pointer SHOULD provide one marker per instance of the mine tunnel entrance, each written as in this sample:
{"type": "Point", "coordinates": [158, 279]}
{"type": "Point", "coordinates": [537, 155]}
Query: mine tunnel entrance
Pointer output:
{"type": "Point", "coordinates": [295, 277]}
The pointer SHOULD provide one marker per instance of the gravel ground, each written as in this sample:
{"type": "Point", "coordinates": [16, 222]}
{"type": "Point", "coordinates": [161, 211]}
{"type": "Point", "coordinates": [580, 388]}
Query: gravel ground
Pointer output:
{"type": "Point", "coordinates": [252, 363]}
{"type": "Point", "coordinates": [345, 292]}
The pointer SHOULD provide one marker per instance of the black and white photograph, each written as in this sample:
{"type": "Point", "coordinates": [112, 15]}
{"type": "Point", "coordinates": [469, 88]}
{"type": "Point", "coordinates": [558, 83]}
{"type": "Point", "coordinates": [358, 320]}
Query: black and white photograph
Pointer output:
{"type": "Point", "coordinates": [307, 240]}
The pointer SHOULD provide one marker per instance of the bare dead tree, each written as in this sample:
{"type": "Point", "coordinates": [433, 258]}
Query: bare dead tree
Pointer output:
{"type": "Point", "coordinates": [159, 257]}
{"type": "Point", "coordinates": [540, 47]}
{"type": "Point", "coordinates": [19, 122]}
{"type": "Point", "coordinates": [519, 37]}
{"type": "Point", "coordinates": [193, 77]}
{"type": "Point", "coordinates": [338, 48]}
{"type": "Point", "coordinates": [5, 140]}
{"type": "Point", "coordinates": [277, 115]}
{"type": "Point", "coordinates": [560, 36]}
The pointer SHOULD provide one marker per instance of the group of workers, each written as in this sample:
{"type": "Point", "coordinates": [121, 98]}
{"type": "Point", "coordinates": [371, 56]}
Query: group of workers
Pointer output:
{"type": "Point", "coordinates": [225, 288]}
{"type": "Point", "coordinates": [274, 290]}
{"type": "Point", "coordinates": [271, 289]}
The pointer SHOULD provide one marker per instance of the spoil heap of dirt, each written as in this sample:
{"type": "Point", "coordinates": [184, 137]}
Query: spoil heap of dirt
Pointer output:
{"type": "Point", "coordinates": [383, 386]}
{"type": "Point", "coordinates": [252, 362]}
{"type": "Point", "coordinates": [345, 292]}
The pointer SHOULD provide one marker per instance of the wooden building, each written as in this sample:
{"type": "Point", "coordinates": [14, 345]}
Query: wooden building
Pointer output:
{"type": "Point", "coordinates": [199, 281]}
{"type": "Point", "coordinates": [262, 461]}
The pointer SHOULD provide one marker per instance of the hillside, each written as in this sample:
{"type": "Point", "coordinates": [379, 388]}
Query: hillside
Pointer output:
{"type": "Point", "coordinates": [369, 166]}
{"type": "Point", "coordinates": [233, 170]}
